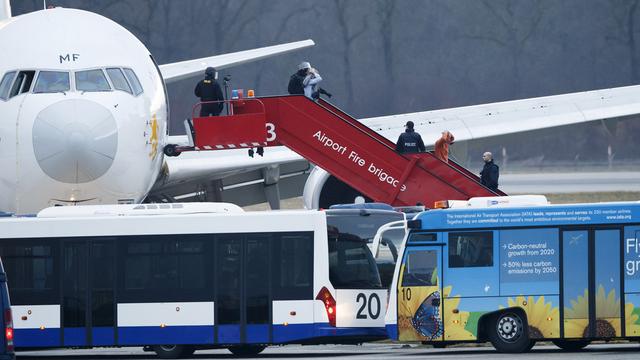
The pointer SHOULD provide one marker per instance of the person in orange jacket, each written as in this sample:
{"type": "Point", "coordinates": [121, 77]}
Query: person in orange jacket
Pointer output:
{"type": "Point", "coordinates": [442, 146]}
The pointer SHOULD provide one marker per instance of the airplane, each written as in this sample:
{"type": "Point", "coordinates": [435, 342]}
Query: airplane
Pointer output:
{"type": "Point", "coordinates": [85, 118]}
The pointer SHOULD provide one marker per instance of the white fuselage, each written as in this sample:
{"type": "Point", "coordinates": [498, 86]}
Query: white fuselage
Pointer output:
{"type": "Point", "coordinates": [77, 146]}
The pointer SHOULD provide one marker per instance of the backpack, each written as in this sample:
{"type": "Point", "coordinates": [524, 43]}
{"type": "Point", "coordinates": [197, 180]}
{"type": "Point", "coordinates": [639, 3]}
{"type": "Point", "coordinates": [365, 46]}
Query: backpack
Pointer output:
{"type": "Point", "coordinates": [295, 85]}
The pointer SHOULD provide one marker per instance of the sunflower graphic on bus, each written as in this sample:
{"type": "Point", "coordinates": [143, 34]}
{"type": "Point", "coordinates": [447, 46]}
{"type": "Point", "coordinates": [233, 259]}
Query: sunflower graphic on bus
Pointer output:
{"type": "Point", "coordinates": [608, 323]}
{"type": "Point", "coordinates": [542, 317]}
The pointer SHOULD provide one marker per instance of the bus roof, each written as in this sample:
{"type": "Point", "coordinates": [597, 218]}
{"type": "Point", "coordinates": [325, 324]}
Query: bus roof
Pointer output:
{"type": "Point", "coordinates": [528, 216]}
{"type": "Point", "coordinates": [139, 209]}
{"type": "Point", "coordinates": [109, 224]}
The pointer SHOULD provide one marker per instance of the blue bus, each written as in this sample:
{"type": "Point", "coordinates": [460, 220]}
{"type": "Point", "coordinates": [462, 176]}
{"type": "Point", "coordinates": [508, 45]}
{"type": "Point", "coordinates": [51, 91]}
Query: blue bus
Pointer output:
{"type": "Point", "coordinates": [514, 275]}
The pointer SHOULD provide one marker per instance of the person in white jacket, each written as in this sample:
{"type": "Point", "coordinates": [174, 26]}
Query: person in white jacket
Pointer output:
{"type": "Point", "coordinates": [310, 84]}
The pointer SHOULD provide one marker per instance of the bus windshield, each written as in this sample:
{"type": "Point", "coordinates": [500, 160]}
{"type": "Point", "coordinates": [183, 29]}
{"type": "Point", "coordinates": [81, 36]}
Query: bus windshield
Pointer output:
{"type": "Point", "coordinates": [361, 227]}
{"type": "Point", "coordinates": [364, 225]}
{"type": "Point", "coordinates": [351, 264]}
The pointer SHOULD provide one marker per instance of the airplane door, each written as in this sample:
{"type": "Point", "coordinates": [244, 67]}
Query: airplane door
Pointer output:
{"type": "Point", "coordinates": [88, 306]}
{"type": "Point", "coordinates": [420, 295]}
{"type": "Point", "coordinates": [591, 283]}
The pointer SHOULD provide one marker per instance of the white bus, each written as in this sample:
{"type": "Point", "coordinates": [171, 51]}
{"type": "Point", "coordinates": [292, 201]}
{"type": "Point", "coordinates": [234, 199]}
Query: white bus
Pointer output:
{"type": "Point", "coordinates": [175, 278]}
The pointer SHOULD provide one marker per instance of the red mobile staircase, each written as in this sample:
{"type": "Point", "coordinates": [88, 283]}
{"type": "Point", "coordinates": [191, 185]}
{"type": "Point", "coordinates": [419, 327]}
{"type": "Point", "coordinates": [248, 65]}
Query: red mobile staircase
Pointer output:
{"type": "Point", "coordinates": [335, 141]}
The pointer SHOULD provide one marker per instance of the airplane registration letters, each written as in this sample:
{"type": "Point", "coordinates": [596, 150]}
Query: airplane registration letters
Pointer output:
{"type": "Point", "coordinates": [69, 57]}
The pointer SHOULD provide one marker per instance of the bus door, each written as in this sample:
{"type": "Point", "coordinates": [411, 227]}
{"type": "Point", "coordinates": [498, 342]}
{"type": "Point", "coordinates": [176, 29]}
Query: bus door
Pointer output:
{"type": "Point", "coordinates": [591, 284]}
{"type": "Point", "coordinates": [88, 305]}
{"type": "Point", "coordinates": [420, 294]}
{"type": "Point", "coordinates": [243, 301]}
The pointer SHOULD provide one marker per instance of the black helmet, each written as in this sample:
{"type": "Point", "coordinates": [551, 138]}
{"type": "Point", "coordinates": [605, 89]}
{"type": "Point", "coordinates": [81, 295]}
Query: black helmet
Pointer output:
{"type": "Point", "coordinates": [210, 71]}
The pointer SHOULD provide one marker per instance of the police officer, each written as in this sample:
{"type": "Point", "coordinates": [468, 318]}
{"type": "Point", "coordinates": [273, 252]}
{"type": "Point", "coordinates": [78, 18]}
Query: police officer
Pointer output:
{"type": "Point", "coordinates": [209, 90]}
{"type": "Point", "coordinates": [409, 141]}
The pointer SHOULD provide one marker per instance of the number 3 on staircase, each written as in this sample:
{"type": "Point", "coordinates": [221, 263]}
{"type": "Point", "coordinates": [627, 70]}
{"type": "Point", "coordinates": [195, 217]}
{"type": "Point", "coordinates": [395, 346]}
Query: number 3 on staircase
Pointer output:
{"type": "Point", "coordinates": [271, 132]}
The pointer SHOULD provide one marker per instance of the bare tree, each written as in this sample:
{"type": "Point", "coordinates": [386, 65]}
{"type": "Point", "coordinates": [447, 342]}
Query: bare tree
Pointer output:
{"type": "Point", "coordinates": [286, 25]}
{"type": "Point", "coordinates": [385, 10]}
{"type": "Point", "coordinates": [625, 16]}
{"type": "Point", "coordinates": [348, 36]}
{"type": "Point", "coordinates": [516, 22]}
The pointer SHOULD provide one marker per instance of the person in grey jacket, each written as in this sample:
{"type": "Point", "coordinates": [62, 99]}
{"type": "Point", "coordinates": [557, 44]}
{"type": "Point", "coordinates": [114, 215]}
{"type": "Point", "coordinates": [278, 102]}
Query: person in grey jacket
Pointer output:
{"type": "Point", "coordinates": [311, 82]}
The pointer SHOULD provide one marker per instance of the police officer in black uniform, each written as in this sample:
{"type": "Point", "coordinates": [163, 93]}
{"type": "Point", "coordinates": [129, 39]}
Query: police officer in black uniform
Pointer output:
{"type": "Point", "coordinates": [490, 172]}
{"type": "Point", "coordinates": [295, 81]}
{"type": "Point", "coordinates": [409, 141]}
{"type": "Point", "coordinates": [209, 90]}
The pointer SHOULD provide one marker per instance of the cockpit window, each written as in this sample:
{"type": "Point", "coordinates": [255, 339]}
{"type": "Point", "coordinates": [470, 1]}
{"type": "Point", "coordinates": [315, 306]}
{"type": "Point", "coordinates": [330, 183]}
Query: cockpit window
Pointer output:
{"type": "Point", "coordinates": [118, 80]}
{"type": "Point", "coordinates": [52, 81]}
{"type": "Point", "coordinates": [5, 85]}
{"type": "Point", "coordinates": [133, 80]}
{"type": "Point", "coordinates": [91, 80]}
{"type": "Point", "coordinates": [22, 83]}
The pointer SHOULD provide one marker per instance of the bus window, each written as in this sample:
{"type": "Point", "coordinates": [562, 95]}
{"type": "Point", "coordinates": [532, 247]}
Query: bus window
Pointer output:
{"type": "Point", "coordinates": [420, 269]}
{"type": "Point", "coordinates": [257, 278]}
{"type": "Point", "coordinates": [292, 259]}
{"type": "Point", "coordinates": [5, 85]}
{"type": "Point", "coordinates": [133, 80]}
{"type": "Point", "coordinates": [102, 277]}
{"type": "Point", "coordinates": [165, 268]}
{"type": "Point", "coordinates": [422, 237]}
{"type": "Point", "coordinates": [31, 265]}
{"type": "Point", "coordinates": [351, 264]}
{"type": "Point", "coordinates": [91, 80]}
{"type": "Point", "coordinates": [51, 82]}
{"type": "Point", "coordinates": [470, 249]}
{"type": "Point", "coordinates": [363, 224]}
{"type": "Point", "coordinates": [229, 281]}
{"type": "Point", "coordinates": [22, 83]}
{"type": "Point", "coordinates": [118, 80]}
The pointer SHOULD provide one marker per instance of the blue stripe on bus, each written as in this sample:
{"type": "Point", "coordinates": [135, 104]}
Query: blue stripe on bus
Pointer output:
{"type": "Point", "coordinates": [75, 336]}
{"type": "Point", "coordinates": [228, 334]}
{"type": "Point", "coordinates": [392, 332]}
{"type": "Point", "coordinates": [36, 337]}
{"type": "Point", "coordinates": [257, 334]}
{"type": "Point", "coordinates": [292, 332]}
{"type": "Point", "coordinates": [103, 336]}
{"type": "Point", "coordinates": [156, 335]}
{"type": "Point", "coordinates": [324, 329]}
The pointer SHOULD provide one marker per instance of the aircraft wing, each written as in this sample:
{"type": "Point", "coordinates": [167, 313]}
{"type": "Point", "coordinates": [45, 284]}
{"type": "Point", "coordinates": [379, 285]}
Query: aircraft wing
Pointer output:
{"type": "Point", "coordinates": [209, 165]}
{"type": "Point", "coordinates": [479, 121]}
{"type": "Point", "coordinates": [185, 69]}
{"type": "Point", "coordinates": [242, 178]}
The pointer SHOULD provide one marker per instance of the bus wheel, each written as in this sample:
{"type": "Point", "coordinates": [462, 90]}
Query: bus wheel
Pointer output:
{"type": "Point", "coordinates": [173, 351]}
{"type": "Point", "coordinates": [532, 343]}
{"type": "Point", "coordinates": [508, 333]}
{"type": "Point", "coordinates": [569, 345]}
{"type": "Point", "coordinates": [246, 350]}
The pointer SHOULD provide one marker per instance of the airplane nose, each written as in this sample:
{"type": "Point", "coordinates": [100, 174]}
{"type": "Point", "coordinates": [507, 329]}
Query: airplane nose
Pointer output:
{"type": "Point", "coordinates": [75, 140]}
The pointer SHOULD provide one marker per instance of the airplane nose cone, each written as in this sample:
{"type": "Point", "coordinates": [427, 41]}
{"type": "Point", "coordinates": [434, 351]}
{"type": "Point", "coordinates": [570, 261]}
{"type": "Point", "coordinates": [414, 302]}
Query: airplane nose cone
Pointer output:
{"type": "Point", "coordinates": [75, 141]}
